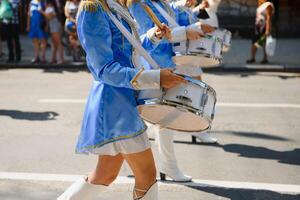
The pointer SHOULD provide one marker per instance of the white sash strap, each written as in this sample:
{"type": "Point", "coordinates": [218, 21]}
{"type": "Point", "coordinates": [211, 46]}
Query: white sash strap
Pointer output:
{"type": "Point", "coordinates": [133, 41]}
{"type": "Point", "coordinates": [171, 21]}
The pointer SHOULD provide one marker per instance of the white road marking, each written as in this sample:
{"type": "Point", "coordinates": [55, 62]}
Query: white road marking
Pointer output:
{"type": "Point", "coordinates": [57, 101]}
{"type": "Point", "coordinates": [219, 104]}
{"type": "Point", "coordinates": [283, 188]}
{"type": "Point", "coordinates": [258, 105]}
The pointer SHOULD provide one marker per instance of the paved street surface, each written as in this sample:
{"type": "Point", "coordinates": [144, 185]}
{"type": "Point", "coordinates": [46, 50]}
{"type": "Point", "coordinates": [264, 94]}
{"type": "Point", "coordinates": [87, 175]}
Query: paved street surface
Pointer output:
{"type": "Point", "coordinates": [257, 124]}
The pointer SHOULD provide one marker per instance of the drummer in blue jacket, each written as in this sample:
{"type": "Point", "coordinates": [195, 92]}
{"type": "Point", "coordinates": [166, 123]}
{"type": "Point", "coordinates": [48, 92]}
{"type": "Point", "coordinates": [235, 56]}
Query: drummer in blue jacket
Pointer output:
{"type": "Point", "coordinates": [186, 16]}
{"type": "Point", "coordinates": [112, 127]}
{"type": "Point", "coordinates": [162, 52]}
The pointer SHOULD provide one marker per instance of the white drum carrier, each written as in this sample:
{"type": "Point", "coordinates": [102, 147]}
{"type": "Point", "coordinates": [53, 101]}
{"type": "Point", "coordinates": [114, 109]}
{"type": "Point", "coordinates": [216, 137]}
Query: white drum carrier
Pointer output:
{"type": "Point", "coordinates": [188, 107]}
{"type": "Point", "coordinates": [225, 36]}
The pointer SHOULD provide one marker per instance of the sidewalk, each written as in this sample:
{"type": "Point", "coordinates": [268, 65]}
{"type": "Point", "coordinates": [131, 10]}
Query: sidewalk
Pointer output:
{"type": "Point", "coordinates": [286, 58]}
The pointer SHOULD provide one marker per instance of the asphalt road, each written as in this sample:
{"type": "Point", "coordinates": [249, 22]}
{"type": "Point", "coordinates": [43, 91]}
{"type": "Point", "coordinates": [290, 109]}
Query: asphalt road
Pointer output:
{"type": "Point", "coordinates": [257, 124]}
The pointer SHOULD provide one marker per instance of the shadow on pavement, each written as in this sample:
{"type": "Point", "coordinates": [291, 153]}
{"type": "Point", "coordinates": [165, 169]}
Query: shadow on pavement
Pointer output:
{"type": "Point", "coordinates": [291, 157]}
{"type": "Point", "coordinates": [253, 135]}
{"type": "Point", "coordinates": [257, 135]}
{"type": "Point", "coordinates": [246, 194]}
{"type": "Point", "coordinates": [60, 70]}
{"type": "Point", "coordinates": [281, 75]}
{"type": "Point", "coordinates": [32, 116]}
{"type": "Point", "coordinates": [288, 157]}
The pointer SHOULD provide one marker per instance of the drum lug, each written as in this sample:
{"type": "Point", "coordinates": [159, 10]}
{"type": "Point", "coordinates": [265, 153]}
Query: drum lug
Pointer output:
{"type": "Point", "coordinates": [184, 99]}
{"type": "Point", "coordinates": [204, 100]}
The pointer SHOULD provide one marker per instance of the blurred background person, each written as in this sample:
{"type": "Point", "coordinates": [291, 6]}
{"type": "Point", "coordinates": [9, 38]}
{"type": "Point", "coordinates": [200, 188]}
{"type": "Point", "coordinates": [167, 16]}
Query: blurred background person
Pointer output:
{"type": "Point", "coordinates": [71, 8]}
{"type": "Point", "coordinates": [11, 30]}
{"type": "Point", "coordinates": [211, 7]}
{"type": "Point", "coordinates": [37, 27]}
{"type": "Point", "coordinates": [1, 38]}
{"type": "Point", "coordinates": [76, 49]}
{"type": "Point", "coordinates": [263, 28]}
{"type": "Point", "coordinates": [55, 30]}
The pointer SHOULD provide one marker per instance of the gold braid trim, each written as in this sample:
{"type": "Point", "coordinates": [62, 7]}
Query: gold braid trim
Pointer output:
{"type": "Point", "coordinates": [93, 5]}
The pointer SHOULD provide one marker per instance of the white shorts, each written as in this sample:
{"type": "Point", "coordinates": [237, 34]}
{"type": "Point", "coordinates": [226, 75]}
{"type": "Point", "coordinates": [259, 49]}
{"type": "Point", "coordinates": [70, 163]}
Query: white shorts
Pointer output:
{"type": "Point", "coordinates": [128, 146]}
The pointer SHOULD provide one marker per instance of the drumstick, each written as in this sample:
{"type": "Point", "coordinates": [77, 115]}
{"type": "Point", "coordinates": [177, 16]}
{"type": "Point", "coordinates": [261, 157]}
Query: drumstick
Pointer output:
{"type": "Point", "coordinates": [152, 16]}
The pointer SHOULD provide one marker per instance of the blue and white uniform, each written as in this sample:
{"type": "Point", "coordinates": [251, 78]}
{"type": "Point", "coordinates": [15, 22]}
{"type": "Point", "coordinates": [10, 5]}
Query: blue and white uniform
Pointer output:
{"type": "Point", "coordinates": [162, 51]}
{"type": "Point", "coordinates": [111, 122]}
{"type": "Point", "coordinates": [37, 21]}
{"type": "Point", "coordinates": [184, 15]}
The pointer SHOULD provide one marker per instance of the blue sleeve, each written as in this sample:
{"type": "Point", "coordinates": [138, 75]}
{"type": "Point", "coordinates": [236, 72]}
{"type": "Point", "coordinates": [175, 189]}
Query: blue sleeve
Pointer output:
{"type": "Point", "coordinates": [95, 36]}
{"type": "Point", "coordinates": [182, 17]}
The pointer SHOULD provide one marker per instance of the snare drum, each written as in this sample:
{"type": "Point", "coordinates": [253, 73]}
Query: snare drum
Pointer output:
{"type": "Point", "coordinates": [188, 107]}
{"type": "Point", "coordinates": [205, 52]}
{"type": "Point", "coordinates": [225, 36]}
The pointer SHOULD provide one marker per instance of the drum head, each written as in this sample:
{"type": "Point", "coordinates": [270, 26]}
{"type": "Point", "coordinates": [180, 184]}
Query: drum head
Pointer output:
{"type": "Point", "coordinates": [173, 118]}
{"type": "Point", "coordinates": [196, 60]}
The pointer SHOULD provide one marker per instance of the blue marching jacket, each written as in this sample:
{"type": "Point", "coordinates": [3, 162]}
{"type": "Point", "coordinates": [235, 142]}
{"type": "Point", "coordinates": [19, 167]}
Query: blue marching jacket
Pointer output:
{"type": "Point", "coordinates": [111, 113]}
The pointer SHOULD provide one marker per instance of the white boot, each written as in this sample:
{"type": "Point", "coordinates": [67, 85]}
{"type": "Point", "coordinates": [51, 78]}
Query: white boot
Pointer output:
{"type": "Point", "coordinates": [167, 161]}
{"type": "Point", "coordinates": [151, 194]}
{"type": "Point", "coordinates": [81, 190]}
{"type": "Point", "coordinates": [204, 137]}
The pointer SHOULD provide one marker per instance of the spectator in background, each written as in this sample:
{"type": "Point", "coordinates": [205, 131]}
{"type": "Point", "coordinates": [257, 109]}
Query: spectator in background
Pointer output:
{"type": "Point", "coordinates": [59, 9]}
{"type": "Point", "coordinates": [37, 27]}
{"type": "Point", "coordinates": [76, 49]}
{"type": "Point", "coordinates": [71, 9]}
{"type": "Point", "coordinates": [11, 29]}
{"type": "Point", "coordinates": [263, 27]}
{"type": "Point", "coordinates": [55, 29]}
{"type": "Point", "coordinates": [1, 49]}
{"type": "Point", "coordinates": [211, 7]}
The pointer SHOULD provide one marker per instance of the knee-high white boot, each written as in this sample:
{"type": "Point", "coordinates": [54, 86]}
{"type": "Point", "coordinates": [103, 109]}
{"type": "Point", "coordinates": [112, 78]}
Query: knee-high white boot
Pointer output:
{"type": "Point", "coordinates": [81, 190]}
{"type": "Point", "coordinates": [151, 193]}
{"type": "Point", "coordinates": [167, 161]}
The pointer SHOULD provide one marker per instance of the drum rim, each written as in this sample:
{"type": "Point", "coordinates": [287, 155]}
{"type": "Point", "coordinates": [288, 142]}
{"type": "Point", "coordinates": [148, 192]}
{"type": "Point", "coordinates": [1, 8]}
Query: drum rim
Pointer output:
{"type": "Point", "coordinates": [206, 86]}
{"type": "Point", "coordinates": [205, 116]}
{"type": "Point", "coordinates": [219, 59]}
{"type": "Point", "coordinates": [174, 104]}
{"type": "Point", "coordinates": [180, 130]}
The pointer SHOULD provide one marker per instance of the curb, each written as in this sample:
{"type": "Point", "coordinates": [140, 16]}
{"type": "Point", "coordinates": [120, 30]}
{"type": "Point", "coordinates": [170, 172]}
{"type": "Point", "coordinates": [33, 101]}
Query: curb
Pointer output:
{"type": "Point", "coordinates": [254, 68]}
{"type": "Point", "coordinates": [236, 67]}
{"type": "Point", "coordinates": [42, 66]}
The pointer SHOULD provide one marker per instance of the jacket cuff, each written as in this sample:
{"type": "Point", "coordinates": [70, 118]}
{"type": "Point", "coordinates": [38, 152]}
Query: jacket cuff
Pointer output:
{"type": "Point", "coordinates": [151, 35]}
{"type": "Point", "coordinates": [178, 34]}
{"type": "Point", "coordinates": [146, 79]}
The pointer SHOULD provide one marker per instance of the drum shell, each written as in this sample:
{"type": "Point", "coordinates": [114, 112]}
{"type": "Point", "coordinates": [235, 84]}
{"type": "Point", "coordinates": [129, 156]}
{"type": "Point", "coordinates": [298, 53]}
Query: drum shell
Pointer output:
{"type": "Point", "coordinates": [195, 98]}
{"type": "Point", "coordinates": [205, 52]}
{"type": "Point", "coordinates": [225, 37]}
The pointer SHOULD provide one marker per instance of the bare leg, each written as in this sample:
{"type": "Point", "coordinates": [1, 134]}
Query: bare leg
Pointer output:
{"type": "Point", "coordinates": [36, 48]}
{"type": "Point", "coordinates": [143, 167]}
{"type": "Point", "coordinates": [43, 49]}
{"type": "Point", "coordinates": [58, 45]}
{"type": "Point", "coordinates": [142, 164]}
{"type": "Point", "coordinates": [54, 48]}
{"type": "Point", "coordinates": [265, 58]}
{"type": "Point", "coordinates": [107, 170]}
{"type": "Point", "coordinates": [253, 51]}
